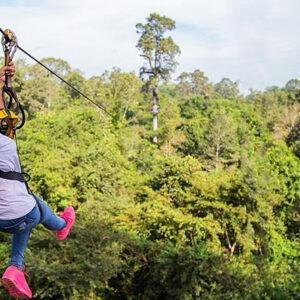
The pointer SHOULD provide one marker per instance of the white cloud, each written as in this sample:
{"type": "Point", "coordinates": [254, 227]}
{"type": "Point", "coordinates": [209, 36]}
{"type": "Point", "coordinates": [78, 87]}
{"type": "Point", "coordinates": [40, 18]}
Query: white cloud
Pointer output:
{"type": "Point", "coordinates": [255, 41]}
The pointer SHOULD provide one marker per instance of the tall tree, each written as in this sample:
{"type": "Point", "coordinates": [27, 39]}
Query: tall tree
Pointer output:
{"type": "Point", "coordinates": [221, 139]}
{"type": "Point", "coordinates": [159, 53]}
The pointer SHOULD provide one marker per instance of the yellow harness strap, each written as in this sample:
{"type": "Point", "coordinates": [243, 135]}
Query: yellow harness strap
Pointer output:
{"type": "Point", "coordinates": [8, 121]}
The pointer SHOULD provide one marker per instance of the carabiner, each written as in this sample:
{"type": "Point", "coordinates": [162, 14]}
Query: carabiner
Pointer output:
{"type": "Point", "coordinates": [9, 43]}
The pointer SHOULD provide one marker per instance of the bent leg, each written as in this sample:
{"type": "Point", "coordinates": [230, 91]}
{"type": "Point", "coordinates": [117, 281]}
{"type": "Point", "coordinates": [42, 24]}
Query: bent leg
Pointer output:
{"type": "Point", "coordinates": [49, 219]}
{"type": "Point", "coordinates": [20, 239]}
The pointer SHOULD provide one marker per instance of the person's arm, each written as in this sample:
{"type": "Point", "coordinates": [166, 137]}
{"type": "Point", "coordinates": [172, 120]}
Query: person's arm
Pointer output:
{"type": "Point", "coordinates": [10, 71]}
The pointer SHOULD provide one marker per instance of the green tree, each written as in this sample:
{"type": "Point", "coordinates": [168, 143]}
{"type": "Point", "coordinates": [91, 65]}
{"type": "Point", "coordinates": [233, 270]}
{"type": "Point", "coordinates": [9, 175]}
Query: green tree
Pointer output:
{"type": "Point", "coordinates": [59, 66]}
{"type": "Point", "coordinates": [159, 53]}
{"type": "Point", "coordinates": [293, 138]}
{"type": "Point", "coordinates": [200, 84]}
{"type": "Point", "coordinates": [39, 89]}
{"type": "Point", "coordinates": [221, 139]}
{"type": "Point", "coordinates": [195, 83]}
{"type": "Point", "coordinates": [123, 94]}
{"type": "Point", "coordinates": [184, 85]}
{"type": "Point", "coordinates": [293, 85]}
{"type": "Point", "coordinates": [76, 79]}
{"type": "Point", "coordinates": [227, 88]}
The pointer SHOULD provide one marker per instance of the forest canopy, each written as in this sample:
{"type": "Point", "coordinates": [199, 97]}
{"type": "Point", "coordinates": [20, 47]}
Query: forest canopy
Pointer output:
{"type": "Point", "coordinates": [210, 211]}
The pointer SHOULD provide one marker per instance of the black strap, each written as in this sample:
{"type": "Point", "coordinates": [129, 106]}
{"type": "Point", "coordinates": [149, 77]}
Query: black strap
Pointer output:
{"type": "Point", "coordinates": [11, 175]}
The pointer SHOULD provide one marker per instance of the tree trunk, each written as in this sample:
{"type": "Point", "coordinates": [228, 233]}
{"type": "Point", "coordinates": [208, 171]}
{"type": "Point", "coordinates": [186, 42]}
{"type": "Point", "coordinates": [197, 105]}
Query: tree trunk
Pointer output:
{"type": "Point", "coordinates": [217, 156]}
{"type": "Point", "coordinates": [125, 112]}
{"type": "Point", "coordinates": [155, 128]}
{"type": "Point", "coordinates": [230, 246]}
{"type": "Point", "coordinates": [154, 112]}
{"type": "Point", "coordinates": [233, 247]}
{"type": "Point", "coordinates": [49, 98]}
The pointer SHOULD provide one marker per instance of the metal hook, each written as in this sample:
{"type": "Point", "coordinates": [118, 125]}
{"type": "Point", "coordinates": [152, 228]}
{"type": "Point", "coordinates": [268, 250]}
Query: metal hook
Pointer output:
{"type": "Point", "coordinates": [9, 42]}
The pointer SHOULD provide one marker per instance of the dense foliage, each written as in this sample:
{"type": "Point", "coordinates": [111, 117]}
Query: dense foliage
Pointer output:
{"type": "Point", "coordinates": [210, 212]}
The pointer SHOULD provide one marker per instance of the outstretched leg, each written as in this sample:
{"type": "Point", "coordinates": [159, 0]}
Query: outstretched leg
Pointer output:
{"type": "Point", "coordinates": [61, 224]}
{"type": "Point", "coordinates": [50, 220]}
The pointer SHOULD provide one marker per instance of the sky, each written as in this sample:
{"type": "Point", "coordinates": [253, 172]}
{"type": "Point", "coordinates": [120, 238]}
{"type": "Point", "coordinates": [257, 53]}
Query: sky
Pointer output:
{"type": "Point", "coordinates": [253, 41]}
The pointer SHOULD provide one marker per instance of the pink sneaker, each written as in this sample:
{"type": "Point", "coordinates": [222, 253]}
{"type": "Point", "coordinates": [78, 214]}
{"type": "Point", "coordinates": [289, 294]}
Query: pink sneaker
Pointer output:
{"type": "Point", "coordinates": [69, 216]}
{"type": "Point", "coordinates": [14, 281]}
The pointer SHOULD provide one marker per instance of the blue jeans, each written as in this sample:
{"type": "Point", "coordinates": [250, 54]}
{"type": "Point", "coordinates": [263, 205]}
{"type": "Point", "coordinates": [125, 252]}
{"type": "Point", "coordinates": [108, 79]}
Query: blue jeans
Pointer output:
{"type": "Point", "coordinates": [22, 227]}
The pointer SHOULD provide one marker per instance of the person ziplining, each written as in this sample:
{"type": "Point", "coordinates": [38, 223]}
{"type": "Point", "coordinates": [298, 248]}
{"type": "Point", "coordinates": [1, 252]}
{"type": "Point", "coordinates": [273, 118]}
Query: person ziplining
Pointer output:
{"type": "Point", "coordinates": [20, 209]}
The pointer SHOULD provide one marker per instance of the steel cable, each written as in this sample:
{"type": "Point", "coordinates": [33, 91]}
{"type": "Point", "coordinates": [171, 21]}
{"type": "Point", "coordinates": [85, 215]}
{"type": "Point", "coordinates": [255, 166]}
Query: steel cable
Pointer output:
{"type": "Point", "coordinates": [59, 77]}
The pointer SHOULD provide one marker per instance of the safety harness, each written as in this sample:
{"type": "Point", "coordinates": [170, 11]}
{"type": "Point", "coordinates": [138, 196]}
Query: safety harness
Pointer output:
{"type": "Point", "coordinates": [12, 175]}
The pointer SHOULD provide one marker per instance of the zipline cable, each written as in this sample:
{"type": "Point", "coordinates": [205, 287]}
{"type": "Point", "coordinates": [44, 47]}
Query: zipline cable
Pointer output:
{"type": "Point", "coordinates": [66, 82]}
{"type": "Point", "coordinates": [59, 77]}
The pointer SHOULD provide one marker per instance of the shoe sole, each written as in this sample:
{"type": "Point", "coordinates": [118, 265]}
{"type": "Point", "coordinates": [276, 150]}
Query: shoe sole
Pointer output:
{"type": "Point", "coordinates": [13, 290]}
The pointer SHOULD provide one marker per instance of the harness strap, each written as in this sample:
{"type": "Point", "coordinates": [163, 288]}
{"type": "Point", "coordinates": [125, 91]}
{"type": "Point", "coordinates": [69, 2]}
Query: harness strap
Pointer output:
{"type": "Point", "coordinates": [12, 175]}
